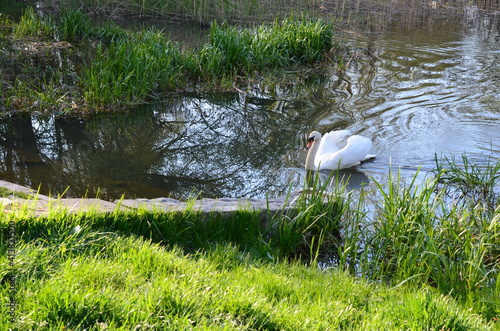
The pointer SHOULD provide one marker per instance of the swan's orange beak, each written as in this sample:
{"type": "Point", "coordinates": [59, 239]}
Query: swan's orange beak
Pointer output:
{"type": "Point", "coordinates": [309, 142]}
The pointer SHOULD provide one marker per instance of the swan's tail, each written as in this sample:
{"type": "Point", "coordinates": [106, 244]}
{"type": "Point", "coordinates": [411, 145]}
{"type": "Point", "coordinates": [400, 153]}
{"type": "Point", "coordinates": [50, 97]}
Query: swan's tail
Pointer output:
{"type": "Point", "coordinates": [369, 157]}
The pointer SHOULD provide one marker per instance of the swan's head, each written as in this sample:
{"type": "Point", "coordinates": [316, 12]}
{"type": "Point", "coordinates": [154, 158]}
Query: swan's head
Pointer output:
{"type": "Point", "coordinates": [314, 136]}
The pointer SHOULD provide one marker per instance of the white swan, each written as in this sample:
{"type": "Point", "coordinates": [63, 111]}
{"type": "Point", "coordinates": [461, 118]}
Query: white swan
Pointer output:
{"type": "Point", "coordinates": [336, 150]}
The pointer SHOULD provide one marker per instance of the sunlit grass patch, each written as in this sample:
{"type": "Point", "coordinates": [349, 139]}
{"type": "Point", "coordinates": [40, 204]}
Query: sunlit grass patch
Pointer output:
{"type": "Point", "coordinates": [129, 282]}
{"type": "Point", "coordinates": [277, 45]}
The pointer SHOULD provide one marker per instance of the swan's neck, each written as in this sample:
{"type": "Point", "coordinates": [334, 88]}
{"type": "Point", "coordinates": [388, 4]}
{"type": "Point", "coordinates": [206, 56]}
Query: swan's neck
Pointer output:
{"type": "Point", "coordinates": [311, 155]}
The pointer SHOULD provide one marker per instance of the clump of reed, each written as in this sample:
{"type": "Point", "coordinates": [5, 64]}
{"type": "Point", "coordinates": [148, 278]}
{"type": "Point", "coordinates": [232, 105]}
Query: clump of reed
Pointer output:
{"type": "Point", "coordinates": [130, 70]}
{"type": "Point", "coordinates": [470, 182]}
{"type": "Point", "coordinates": [31, 25]}
{"type": "Point", "coordinates": [418, 234]}
{"type": "Point", "coordinates": [76, 25]}
{"type": "Point", "coordinates": [311, 230]}
{"type": "Point", "coordinates": [133, 69]}
{"type": "Point", "coordinates": [281, 44]}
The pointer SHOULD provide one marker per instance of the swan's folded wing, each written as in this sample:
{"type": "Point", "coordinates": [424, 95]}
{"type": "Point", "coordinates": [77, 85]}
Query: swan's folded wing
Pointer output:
{"type": "Point", "coordinates": [356, 150]}
{"type": "Point", "coordinates": [337, 137]}
{"type": "Point", "coordinates": [332, 142]}
{"type": "Point", "coordinates": [352, 154]}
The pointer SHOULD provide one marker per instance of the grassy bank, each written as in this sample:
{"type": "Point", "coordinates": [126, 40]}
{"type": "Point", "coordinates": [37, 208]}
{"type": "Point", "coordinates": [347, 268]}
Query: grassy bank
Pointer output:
{"type": "Point", "coordinates": [422, 257]}
{"type": "Point", "coordinates": [104, 66]}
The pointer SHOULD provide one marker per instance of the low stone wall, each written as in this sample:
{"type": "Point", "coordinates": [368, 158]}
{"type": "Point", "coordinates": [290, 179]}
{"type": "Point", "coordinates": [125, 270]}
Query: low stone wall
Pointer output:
{"type": "Point", "coordinates": [41, 205]}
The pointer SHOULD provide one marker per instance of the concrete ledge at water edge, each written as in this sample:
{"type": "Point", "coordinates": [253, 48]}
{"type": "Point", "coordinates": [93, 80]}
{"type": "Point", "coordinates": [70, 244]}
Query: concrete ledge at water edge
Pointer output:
{"type": "Point", "coordinates": [41, 204]}
{"type": "Point", "coordinates": [206, 205]}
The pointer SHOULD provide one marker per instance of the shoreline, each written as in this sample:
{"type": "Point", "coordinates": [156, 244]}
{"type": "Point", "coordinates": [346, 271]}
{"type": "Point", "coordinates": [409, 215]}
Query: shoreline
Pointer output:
{"type": "Point", "coordinates": [42, 205]}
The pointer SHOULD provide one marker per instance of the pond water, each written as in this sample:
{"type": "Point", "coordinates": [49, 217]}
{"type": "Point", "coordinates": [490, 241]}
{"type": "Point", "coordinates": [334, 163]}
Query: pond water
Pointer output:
{"type": "Point", "coordinates": [418, 91]}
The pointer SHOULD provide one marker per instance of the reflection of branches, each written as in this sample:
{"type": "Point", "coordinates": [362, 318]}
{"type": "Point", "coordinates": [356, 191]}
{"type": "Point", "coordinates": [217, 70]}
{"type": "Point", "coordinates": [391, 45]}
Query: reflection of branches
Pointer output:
{"type": "Point", "coordinates": [204, 120]}
{"type": "Point", "coordinates": [222, 145]}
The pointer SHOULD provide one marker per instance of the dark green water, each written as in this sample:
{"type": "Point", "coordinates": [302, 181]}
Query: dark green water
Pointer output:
{"type": "Point", "coordinates": [417, 91]}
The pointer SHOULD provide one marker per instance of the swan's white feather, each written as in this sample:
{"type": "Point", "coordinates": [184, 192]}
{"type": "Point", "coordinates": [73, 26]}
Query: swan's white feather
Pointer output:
{"type": "Point", "coordinates": [333, 141]}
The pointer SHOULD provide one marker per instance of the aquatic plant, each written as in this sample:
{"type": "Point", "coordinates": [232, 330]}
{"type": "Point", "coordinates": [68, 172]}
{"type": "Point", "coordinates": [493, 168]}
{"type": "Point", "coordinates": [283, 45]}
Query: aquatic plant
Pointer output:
{"type": "Point", "coordinates": [32, 25]}
{"type": "Point", "coordinates": [470, 182]}
{"type": "Point", "coordinates": [130, 70]}
{"type": "Point", "coordinates": [310, 230]}
{"type": "Point", "coordinates": [419, 236]}
{"type": "Point", "coordinates": [74, 24]}
{"type": "Point", "coordinates": [123, 68]}
{"type": "Point", "coordinates": [133, 69]}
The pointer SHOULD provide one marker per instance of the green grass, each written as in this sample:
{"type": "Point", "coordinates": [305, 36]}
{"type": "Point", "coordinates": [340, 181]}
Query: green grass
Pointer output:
{"type": "Point", "coordinates": [132, 70]}
{"type": "Point", "coordinates": [470, 182]}
{"type": "Point", "coordinates": [419, 235]}
{"type": "Point", "coordinates": [31, 25]}
{"type": "Point", "coordinates": [411, 262]}
{"type": "Point", "coordinates": [5, 192]}
{"type": "Point", "coordinates": [98, 280]}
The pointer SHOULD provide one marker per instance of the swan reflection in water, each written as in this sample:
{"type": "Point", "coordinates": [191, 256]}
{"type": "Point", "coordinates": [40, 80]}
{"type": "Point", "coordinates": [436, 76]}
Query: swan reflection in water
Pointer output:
{"type": "Point", "coordinates": [349, 178]}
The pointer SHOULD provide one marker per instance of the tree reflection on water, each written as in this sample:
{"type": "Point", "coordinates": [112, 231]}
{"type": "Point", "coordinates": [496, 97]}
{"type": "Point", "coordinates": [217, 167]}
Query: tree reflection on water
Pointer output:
{"type": "Point", "coordinates": [226, 145]}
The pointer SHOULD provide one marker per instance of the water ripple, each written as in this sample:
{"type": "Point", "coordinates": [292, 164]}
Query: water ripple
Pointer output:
{"type": "Point", "coordinates": [418, 100]}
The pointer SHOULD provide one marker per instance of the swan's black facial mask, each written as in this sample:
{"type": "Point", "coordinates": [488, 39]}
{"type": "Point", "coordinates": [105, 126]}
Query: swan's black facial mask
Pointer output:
{"type": "Point", "coordinates": [310, 142]}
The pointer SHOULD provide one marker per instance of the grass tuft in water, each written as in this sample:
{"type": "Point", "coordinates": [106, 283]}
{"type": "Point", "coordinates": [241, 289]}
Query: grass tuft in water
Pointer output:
{"type": "Point", "coordinates": [130, 70]}
{"type": "Point", "coordinates": [418, 235]}
{"type": "Point", "coordinates": [470, 182]}
{"type": "Point", "coordinates": [311, 229]}
{"type": "Point", "coordinates": [134, 69]}
{"type": "Point", "coordinates": [123, 68]}
{"type": "Point", "coordinates": [32, 25]}
{"type": "Point", "coordinates": [74, 25]}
